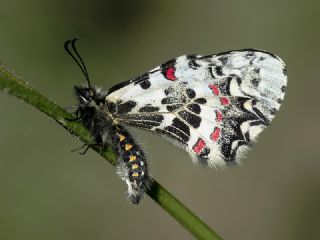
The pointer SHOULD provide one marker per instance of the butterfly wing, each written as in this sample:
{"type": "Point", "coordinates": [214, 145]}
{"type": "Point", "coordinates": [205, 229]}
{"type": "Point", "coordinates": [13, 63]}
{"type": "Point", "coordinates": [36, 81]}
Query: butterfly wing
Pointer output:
{"type": "Point", "coordinates": [212, 106]}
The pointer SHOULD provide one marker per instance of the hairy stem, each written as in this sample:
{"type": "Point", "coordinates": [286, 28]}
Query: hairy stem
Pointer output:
{"type": "Point", "coordinates": [12, 84]}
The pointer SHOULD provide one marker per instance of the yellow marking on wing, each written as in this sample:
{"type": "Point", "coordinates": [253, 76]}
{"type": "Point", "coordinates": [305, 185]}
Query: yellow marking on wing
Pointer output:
{"type": "Point", "coordinates": [132, 158]}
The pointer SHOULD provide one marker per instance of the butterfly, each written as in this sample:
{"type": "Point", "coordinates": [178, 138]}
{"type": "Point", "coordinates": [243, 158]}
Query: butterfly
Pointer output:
{"type": "Point", "coordinates": [213, 107]}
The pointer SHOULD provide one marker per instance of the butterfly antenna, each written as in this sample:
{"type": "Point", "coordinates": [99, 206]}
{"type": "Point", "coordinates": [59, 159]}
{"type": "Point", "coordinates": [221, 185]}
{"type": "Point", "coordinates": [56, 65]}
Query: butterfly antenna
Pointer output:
{"type": "Point", "coordinates": [77, 58]}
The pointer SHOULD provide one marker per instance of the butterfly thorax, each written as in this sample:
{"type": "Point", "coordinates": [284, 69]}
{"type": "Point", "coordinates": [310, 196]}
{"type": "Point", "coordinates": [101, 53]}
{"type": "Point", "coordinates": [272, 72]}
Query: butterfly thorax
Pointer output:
{"type": "Point", "coordinates": [92, 110]}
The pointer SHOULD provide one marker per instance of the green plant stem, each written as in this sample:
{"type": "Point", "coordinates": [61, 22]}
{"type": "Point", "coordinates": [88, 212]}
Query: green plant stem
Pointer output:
{"type": "Point", "coordinates": [13, 85]}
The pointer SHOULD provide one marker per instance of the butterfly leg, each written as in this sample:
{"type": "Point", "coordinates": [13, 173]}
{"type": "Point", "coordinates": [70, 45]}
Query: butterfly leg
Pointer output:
{"type": "Point", "coordinates": [73, 119]}
{"type": "Point", "coordinates": [86, 146]}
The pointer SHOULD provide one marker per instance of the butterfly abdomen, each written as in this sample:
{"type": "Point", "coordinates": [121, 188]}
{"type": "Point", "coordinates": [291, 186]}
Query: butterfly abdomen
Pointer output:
{"type": "Point", "coordinates": [133, 167]}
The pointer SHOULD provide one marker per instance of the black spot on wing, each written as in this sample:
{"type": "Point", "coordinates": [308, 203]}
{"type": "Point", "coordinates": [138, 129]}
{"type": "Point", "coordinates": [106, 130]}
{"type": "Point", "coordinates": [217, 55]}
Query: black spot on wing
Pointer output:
{"type": "Point", "coordinates": [203, 156]}
{"type": "Point", "coordinates": [255, 114]}
{"type": "Point", "coordinates": [111, 106]}
{"type": "Point", "coordinates": [273, 111]}
{"type": "Point", "coordinates": [211, 73]}
{"type": "Point", "coordinates": [144, 125]}
{"type": "Point", "coordinates": [168, 64]}
{"type": "Point", "coordinates": [190, 118]}
{"type": "Point", "coordinates": [173, 100]}
{"type": "Point", "coordinates": [249, 55]}
{"type": "Point", "coordinates": [279, 100]}
{"type": "Point", "coordinates": [156, 118]}
{"type": "Point", "coordinates": [226, 148]}
{"type": "Point", "coordinates": [149, 108]}
{"type": "Point", "coordinates": [201, 100]}
{"type": "Point", "coordinates": [223, 59]}
{"type": "Point", "coordinates": [218, 70]}
{"type": "Point", "coordinates": [190, 93]}
{"type": "Point", "coordinates": [192, 61]}
{"type": "Point", "coordinates": [126, 107]}
{"type": "Point", "coordinates": [231, 133]}
{"type": "Point", "coordinates": [169, 100]}
{"type": "Point", "coordinates": [239, 80]}
{"type": "Point", "coordinates": [118, 86]}
{"type": "Point", "coordinates": [234, 152]}
{"type": "Point", "coordinates": [179, 129]}
{"type": "Point", "coordinates": [168, 90]}
{"type": "Point", "coordinates": [284, 70]}
{"type": "Point", "coordinates": [145, 84]}
{"type": "Point", "coordinates": [170, 134]}
{"type": "Point", "coordinates": [257, 70]}
{"type": "Point", "coordinates": [246, 136]}
{"type": "Point", "coordinates": [261, 116]}
{"type": "Point", "coordinates": [142, 121]}
{"type": "Point", "coordinates": [232, 136]}
{"type": "Point", "coordinates": [143, 81]}
{"type": "Point", "coordinates": [141, 78]}
{"type": "Point", "coordinates": [191, 56]}
{"type": "Point", "coordinates": [136, 80]}
{"type": "Point", "coordinates": [225, 86]}
{"type": "Point", "coordinates": [194, 108]}
{"type": "Point", "coordinates": [177, 133]}
{"type": "Point", "coordinates": [177, 123]}
{"type": "Point", "coordinates": [174, 107]}
{"type": "Point", "coordinates": [255, 82]}
{"type": "Point", "coordinates": [257, 123]}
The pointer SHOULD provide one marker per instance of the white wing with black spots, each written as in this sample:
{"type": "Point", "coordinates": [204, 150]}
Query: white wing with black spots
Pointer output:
{"type": "Point", "coordinates": [212, 106]}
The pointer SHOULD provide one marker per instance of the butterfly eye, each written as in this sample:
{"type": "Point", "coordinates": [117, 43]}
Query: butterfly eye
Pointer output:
{"type": "Point", "coordinates": [86, 95]}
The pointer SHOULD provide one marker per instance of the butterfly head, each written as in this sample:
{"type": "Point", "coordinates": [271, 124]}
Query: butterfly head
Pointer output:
{"type": "Point", "coordinates": [89, 97]}
{"type": "Point", "coordinates": [85, 95]}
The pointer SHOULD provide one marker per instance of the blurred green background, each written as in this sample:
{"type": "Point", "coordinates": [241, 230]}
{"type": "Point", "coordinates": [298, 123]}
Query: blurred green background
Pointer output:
{"type": "Point", "coordinates": [48, 192]}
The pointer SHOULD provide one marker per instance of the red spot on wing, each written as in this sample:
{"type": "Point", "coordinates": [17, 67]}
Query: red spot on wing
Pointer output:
{"type": "Point", "coordinates": [199, 146]}
{"type": "Point", "coordinates": [219, 116]}
{"type": "Point", "coordinates": [214, 89]}
{"type": "Point", "coordinates": [224, 101]}
{"type": "Point", "coordinates": [170, 74]}
{"type": "Point", "coordinates": [215, 134]}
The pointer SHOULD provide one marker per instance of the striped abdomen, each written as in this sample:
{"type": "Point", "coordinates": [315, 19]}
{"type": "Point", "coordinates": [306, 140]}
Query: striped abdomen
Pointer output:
{"type": "Point", "coordinates": [132, 167]}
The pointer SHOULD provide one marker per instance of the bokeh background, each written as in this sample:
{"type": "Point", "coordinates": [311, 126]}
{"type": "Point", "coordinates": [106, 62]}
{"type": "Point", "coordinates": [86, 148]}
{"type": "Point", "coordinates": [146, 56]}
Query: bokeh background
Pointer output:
{"type": "Point", "coordinates": [48, 192]}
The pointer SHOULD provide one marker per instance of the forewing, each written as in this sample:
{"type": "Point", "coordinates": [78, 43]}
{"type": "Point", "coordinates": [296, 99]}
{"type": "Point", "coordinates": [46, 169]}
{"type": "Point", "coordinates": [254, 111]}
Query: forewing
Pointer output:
{"type": "Point", "coordinates": [212, 106]}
